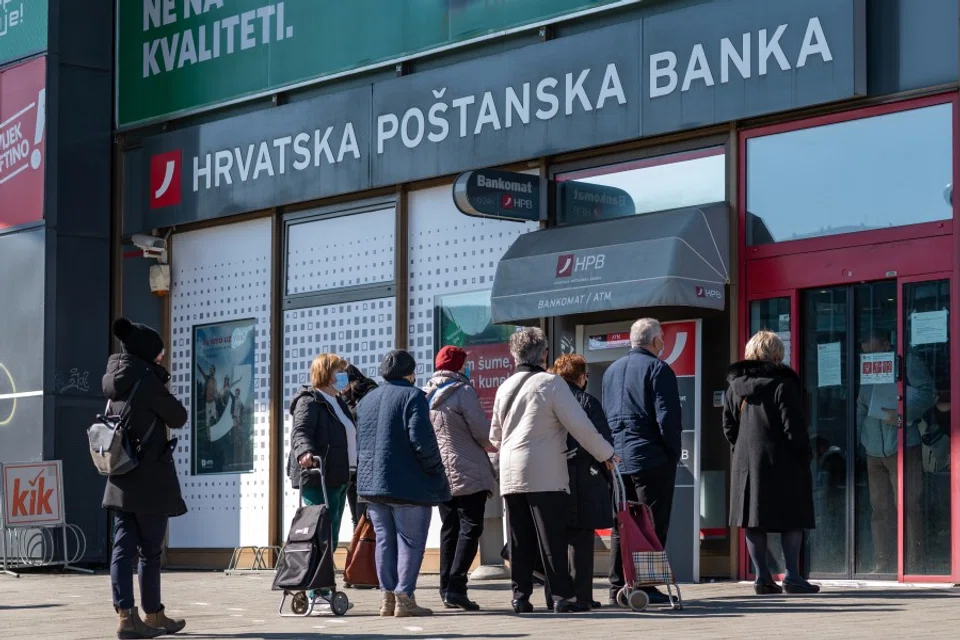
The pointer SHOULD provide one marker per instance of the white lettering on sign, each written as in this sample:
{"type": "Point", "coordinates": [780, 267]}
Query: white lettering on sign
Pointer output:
{"type": "Point", "coordinates": [513, 107]}
{"type": "Point", "coordinates": [19, 145]}
{"type": "Point", "coordinates": [12, 17]}
{"type": "Point", "coordinates": [664, 66]}
{"type": "Point", "coordinates": [503, 185]}
{"type": "Point", "coordinates": [201, 43]}
{"type": "Point", "coordinates": [269, 158]}
{"type": "Point", "coordinates": [579, 300]}
{"type": "Point", "coordinates": [598, 198]}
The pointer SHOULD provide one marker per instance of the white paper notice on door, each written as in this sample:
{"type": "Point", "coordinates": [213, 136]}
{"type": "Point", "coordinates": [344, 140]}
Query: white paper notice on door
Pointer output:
{"type": "Point", "coordinates": [929, 327]}
{"type": "Point", "coordinates": [877, 368]}
{"type": "Point", "coordinates": [828, 365]}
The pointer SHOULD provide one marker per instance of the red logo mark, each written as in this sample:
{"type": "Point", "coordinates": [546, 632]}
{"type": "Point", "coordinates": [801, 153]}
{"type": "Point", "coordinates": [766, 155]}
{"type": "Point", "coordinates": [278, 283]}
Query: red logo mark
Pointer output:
{"type": "Point", "coordinates": [565, 266]}
{"type": "Point", "coordinates": [506, 201]}
{"type": "Point", "coordinates": [165, 179]}
{"type": "Point", "coordinates": [700, 292]}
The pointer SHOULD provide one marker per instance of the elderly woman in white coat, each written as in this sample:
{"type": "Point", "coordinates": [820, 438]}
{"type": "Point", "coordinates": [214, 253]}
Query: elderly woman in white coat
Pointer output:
{"type": "Point", "coordinates": [533, 414]}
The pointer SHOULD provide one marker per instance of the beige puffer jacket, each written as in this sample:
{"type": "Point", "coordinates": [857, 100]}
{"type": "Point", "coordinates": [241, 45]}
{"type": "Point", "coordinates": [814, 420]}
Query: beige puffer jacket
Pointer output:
{"type": "Point", "coordinates": [462, 430]}
{"type": "Point", "coordinates": [532, 435]}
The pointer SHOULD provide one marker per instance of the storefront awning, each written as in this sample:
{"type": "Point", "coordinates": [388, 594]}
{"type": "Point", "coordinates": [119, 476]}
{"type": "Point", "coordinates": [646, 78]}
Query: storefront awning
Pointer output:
{"type": "Point", "coordinates": [670, 258]}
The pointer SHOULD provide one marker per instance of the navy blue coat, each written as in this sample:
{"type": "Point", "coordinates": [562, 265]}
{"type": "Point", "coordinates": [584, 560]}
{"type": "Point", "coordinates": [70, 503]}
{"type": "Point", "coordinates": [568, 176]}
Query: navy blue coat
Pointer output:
{"type": "Point", "coordinates": [398, 458]}
{"type": "Point", "coordinates": [642, 403]}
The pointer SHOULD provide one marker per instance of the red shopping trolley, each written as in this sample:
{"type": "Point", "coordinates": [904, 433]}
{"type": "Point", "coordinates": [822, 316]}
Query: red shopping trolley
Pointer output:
{"type": "Point", "coordinates": [645, 563]}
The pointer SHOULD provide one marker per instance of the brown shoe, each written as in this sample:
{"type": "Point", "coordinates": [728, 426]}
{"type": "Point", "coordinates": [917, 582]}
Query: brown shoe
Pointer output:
{"type": "Point", "coordinates": [161, 621]}
{"type": "Point", "coordinates": [133, 628]}
{"type": "Point", "coordinates": [407, 607]}
{"type": "Point", "coordinates": [388, 604]}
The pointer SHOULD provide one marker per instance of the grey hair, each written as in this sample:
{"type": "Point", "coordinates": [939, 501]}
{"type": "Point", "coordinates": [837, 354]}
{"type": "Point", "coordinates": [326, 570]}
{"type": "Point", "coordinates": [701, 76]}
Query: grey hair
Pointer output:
{"type": "Point", "coordinates": [644, 331]}
{"type": "Point", "coordinates": [528, 346]}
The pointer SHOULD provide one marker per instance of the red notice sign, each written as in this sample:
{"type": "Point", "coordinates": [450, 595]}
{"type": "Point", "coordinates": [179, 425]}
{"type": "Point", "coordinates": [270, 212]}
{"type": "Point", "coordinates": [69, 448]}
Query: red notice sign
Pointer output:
{"type": "Point", "coordinates": [22, 142]}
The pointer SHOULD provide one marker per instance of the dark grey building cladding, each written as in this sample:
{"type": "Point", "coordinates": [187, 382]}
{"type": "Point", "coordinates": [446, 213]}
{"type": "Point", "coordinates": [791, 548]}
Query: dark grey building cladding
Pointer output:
{"type": "Point", "coordinates": [674, 70]}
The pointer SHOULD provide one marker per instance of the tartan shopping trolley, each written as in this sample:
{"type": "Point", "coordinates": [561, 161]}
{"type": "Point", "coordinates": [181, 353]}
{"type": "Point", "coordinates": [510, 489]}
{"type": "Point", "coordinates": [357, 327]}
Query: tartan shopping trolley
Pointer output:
{"type": "Point", "coordinates": [645, 563]}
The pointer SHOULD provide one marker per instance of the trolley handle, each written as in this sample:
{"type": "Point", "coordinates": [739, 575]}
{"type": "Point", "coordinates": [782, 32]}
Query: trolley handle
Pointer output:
{"type": "Point", "coordinates": [619, 492]}
{"type": "Point", "coordinates": [316, 469]}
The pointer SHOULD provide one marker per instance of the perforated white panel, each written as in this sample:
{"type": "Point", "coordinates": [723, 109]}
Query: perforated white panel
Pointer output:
{"type": "Point", "coordinates": [360, 332]}
{"type": "Point", "coordinates": [345, 251]}
{"type": "Point", "coordinates": [220, 275]}
{"type": "Point", "coordinates": [448, 253]}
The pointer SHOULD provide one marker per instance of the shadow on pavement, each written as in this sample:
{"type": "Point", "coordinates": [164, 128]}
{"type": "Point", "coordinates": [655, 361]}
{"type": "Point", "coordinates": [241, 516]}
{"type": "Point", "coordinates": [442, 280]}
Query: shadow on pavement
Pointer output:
{"type": "Point", "coordinates": [336, 634]}
{"type": "Point", "coordinates": [26, 607]}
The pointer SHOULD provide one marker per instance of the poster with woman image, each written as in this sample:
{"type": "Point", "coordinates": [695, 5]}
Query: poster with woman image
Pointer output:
{"type": "Point", "coordinates": [463, 320]}
{"type": "Point", "coordinates": [224, 357]}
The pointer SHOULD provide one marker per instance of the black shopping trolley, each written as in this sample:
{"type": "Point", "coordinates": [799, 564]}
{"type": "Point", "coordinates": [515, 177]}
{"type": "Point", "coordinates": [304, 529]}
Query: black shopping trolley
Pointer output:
{"type": "Point", "coordinates": [306, 569]}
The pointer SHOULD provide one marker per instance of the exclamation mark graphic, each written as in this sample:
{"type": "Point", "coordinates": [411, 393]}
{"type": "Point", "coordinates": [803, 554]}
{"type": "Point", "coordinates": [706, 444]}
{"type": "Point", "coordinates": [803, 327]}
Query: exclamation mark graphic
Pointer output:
{"type": "Point", "coordinates": [36, 157]}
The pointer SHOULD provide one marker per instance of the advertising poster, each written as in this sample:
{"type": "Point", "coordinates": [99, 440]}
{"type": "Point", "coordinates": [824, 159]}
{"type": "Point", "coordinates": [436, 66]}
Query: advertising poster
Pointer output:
{"type": "Point", "coordinates": [224, 357]}
{"type": "Point", "coordinates": [23, 28]}
{"type": "Point", "coordinates": [877, 368]}
{"type": "Point", "coordinates": [463, 320]}
{"type": "Point", "coordinates": [32, 494]}
{"type": "Point", "coordinates": [22, 126]}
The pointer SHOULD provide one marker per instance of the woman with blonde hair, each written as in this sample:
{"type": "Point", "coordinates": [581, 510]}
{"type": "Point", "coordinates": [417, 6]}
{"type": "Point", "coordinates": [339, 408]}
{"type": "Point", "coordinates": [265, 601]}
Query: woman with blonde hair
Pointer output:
{"type": "Point", "coordinates": [323, 427]}
{"type": "Point", "coordinates": [771, 483]}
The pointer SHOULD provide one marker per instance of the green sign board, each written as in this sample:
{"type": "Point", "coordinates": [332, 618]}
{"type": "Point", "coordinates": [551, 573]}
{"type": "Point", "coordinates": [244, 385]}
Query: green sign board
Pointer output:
{"type": "Point", "coordinates": [23, 28]}
{"type": "Point", "coordinates": [183, 56]}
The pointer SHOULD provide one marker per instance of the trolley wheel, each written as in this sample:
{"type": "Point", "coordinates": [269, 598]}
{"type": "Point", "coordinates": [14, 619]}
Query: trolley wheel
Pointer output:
{"type": "Point", "coordinates": [300, 603]}
{"type": "Point", "coordinates": [638, 600]}
{"type": "Point", "coordinates": [622, 598]}
{"type": "Point", "coordinates": [339, 603]}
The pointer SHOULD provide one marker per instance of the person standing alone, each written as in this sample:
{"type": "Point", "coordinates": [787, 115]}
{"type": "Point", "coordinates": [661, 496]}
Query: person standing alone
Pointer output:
{"type": "Point", "coordinates": [144, 499]}
{"type": "Point", "coordinates": [642, 403]}
{"type": "Point", "coordinates": [462, 430]}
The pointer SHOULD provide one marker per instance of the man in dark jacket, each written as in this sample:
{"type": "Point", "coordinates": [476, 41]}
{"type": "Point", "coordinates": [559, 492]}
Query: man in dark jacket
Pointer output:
{"type": "Point", "coordinates": [143, 499]}
{"type": "Point", "coordinates": [642, 403]}
{"type": "Point", "coordinates": [400, 475]}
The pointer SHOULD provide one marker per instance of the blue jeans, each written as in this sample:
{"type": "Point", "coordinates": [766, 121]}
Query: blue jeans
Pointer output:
{"type": "Point", "coordinates": [401, 532]}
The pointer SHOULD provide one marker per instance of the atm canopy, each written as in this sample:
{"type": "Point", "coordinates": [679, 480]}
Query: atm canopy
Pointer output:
{"type": "Point", "coordinates": [679, 257]}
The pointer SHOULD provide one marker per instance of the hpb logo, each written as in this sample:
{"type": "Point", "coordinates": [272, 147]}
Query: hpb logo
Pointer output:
{"type": "Point", "coordinates": [570, 264]}
{"type": "Point", "coordinates": [165, 184]}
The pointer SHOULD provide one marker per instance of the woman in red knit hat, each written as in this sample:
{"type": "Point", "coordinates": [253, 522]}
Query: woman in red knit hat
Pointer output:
{"type": "Point", "coordinates": [462, 430]}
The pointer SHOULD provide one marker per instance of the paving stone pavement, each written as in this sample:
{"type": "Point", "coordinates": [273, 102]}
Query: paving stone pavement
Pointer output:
{"type": "Point", "coordinates": [218, 606]}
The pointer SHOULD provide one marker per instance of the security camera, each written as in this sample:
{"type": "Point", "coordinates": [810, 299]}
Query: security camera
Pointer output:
{"type": "Point", "coordinates": [152, 247]}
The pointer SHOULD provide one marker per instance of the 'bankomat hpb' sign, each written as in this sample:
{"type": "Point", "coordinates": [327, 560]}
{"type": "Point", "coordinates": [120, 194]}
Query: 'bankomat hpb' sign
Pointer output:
{"type": "Point", "coordinates": [504, 195]}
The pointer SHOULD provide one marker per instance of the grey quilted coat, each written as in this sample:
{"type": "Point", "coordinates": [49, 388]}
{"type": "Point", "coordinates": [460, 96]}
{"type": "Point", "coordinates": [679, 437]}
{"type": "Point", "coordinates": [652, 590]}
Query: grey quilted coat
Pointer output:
{"type": "Point", "coordinates": [462, 430]}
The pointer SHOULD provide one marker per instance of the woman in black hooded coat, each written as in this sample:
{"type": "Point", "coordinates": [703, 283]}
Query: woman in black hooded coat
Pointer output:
{"type": "Point", "coordinates": [358, 387]}
{"type": "Point", "coordinates": [771, 487]}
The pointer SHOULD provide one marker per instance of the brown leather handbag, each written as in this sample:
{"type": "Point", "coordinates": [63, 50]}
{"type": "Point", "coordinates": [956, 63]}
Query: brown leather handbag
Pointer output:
{"type": "Point", "coordinates": [361, 567]}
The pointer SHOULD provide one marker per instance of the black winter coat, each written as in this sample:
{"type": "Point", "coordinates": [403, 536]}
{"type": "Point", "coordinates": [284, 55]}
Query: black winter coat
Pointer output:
{"type": "Point", "coordinates": [591, 489]}
{"type": "Point", "coordinates": [771, 484]}
{"type": "Point", "coordinates": [317, 429]}
{"type": "Point", "coordinates": [153, 487]}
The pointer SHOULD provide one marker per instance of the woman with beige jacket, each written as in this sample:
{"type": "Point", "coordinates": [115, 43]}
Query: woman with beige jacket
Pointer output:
{"type": "Point", "coordinates": [533, 414]}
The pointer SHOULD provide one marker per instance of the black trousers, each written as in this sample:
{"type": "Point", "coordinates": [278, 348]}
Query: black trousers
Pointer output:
{"type": "Point", "coordinates": [461, 526]}
{"type": "Point", "coordinates": [654, 488]}
{"type": "Point", "coordinates": [537, 523]}
{"type": "Point", "coordinates": [580, 543]}
{"type": "Point", "coordinates": [357, 509]}
{"type": "Point", "coordinates": [137, 536]}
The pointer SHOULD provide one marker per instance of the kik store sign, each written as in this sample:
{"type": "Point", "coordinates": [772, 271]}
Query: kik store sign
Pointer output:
{"type": "Point", "coordinates": [678, 70]}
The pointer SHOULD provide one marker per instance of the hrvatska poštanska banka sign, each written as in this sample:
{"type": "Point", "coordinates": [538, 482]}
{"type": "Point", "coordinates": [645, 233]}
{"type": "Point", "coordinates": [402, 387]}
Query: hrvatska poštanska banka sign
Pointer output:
{"type": "Point", "coordinates": [677, 70]}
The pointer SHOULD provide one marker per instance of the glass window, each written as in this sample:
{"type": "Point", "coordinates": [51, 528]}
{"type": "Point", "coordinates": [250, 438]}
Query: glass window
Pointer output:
{"type": "Point", "coordinates": [644, 186]}
{"type": "Point", "coordinates": [874, 173]}
{"type": "Point", "coordinates": [927, 420]}
{"type": "Point", "coordinates": [774, 315]}
{"type": "Point", "coordinates": [343, 251]}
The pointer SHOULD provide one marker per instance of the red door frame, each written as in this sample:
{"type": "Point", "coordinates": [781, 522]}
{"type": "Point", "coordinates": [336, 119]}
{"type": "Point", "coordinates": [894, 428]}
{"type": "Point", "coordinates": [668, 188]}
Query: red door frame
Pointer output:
{"type": "Point", "coordinates": [922, 252]}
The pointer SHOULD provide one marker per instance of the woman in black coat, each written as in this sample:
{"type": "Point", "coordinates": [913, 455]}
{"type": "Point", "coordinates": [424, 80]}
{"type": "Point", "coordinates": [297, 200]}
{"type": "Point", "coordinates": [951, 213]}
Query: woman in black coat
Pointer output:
{"type": "Point", "coordinates": [771, 481]}
{"type": "Point", "coordinates": [145, 498]}
{"type": "Point", "coordinates": [591, 502]}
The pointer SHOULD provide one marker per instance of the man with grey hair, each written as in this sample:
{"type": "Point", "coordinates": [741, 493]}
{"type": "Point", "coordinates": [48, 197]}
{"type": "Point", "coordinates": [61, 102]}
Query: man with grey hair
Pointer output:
{"type": "Point", "coordinates": [533, 413]}
{"type": "Point", "coordinates": [642, 403]}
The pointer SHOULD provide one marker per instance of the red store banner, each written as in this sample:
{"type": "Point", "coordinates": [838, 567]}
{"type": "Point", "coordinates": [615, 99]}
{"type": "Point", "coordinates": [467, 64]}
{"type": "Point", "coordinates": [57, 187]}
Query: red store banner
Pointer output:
{"type": "Point", "coordinates": [22, 142]}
